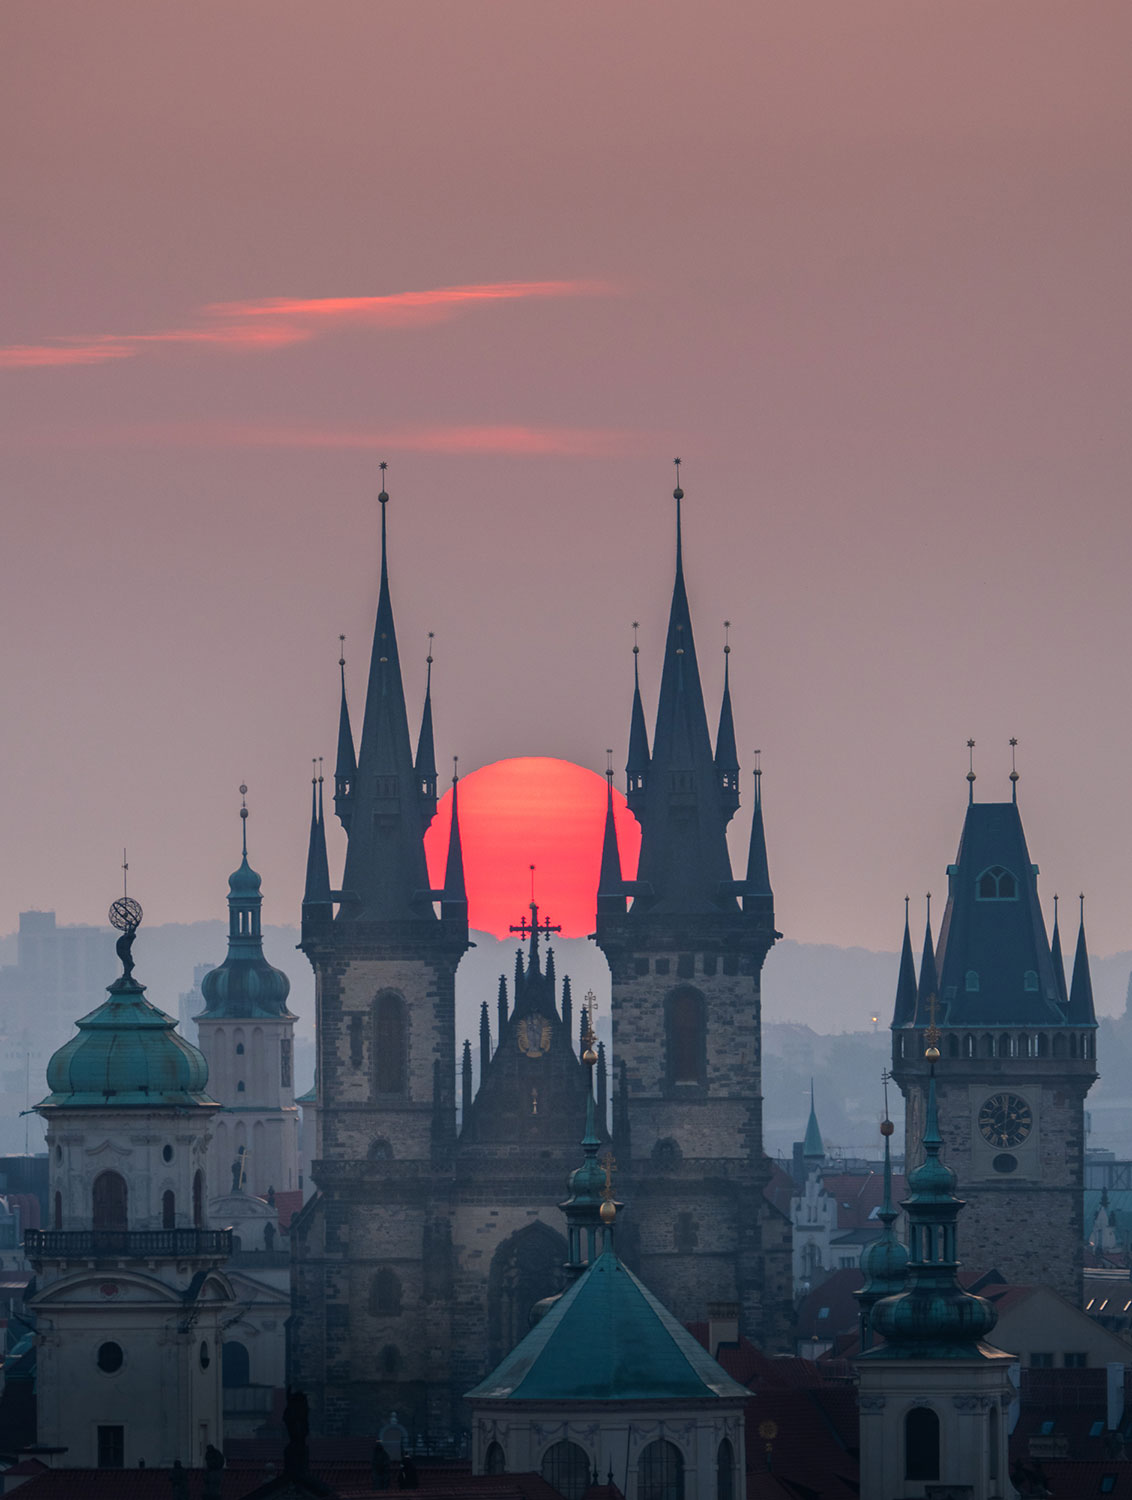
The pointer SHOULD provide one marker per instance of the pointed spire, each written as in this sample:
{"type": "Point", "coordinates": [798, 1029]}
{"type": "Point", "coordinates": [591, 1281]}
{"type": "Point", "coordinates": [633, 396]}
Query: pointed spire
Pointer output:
{"type": "Point", "coordinates": [466, 1081]}
{"type": "Point", "coordinates": [485, 1040]}
{"type": "Point", "coordinates": [316, 895]}
{"type": "Point", "coordinates": [684, 865]}
{"type": "Point", "coordinates": [1058, 960]}
{"type": "Point", "coordinates": [929, 979]}
{"type": "Point", "coordinates": [386, 876]}
{"type": "Point", "coordinates": [970, 772]}
{"type": "Point", "coordinates": [1081, 1011]}
{"type": "Point", "coordinates": [454, 901]}
{"type": "Point", "coordinates": [501, 1006]}
{"type": "Point", "coordinates": [602, 1085]}
{"type": "Point", "coordinates": [551, 978]}
{"type": "Point", "coordinates": [726, 755]}
{"type": "Point", "coordinates": [904, 1011]}
{"type": "Point", "coordinates": [245, 984]}
{"type": "Point", "coordinates": [758, 898]}
{"type": "Point", "coordinates": [813, 1148]}
{"type": "Point", "coordinates": [426, 756]}
{"type": "Point", "coordinates": [346, 765]}
{"type": "Point", "coordinates": [637, 764]}
{"type": "Point", "coordinates": [567, 1006]}
{"type": "Point", "coordinates": [610, 892]}
{"type": "Point", "coordinates": [583, 1029]}
{"type": "Point", "coordinates": [884, 1263]}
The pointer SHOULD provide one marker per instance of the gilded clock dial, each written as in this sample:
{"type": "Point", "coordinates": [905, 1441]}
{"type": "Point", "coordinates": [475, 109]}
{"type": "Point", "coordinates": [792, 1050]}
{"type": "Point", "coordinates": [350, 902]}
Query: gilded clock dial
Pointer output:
{"type": "Point", "coordinates": [1005, 1120]}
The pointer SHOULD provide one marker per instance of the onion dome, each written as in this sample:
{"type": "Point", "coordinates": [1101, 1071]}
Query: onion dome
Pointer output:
{"type": "Point", "coordinates": [245, 986]}
{"type": "Point", "coordinates": [935, 1318]}
{"type": "Point", "coordinates": [128, 1053]}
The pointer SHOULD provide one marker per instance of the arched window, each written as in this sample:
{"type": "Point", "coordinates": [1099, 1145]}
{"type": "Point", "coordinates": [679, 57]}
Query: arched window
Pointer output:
{"type": "Point", "coordinates": [168, 1210]}
{"type": "Point", "coordinates": [921, 1444]}
{"type": "Point", "coordinates": [385, 1293]}
{"type": "Point", "coordinates": [390, 1051]}
{"type": "Point", "coordinates": [494, 1460]}
{"type": "Point", "coordinates": [988, 1044]}
{"type": "Point", "coordinates": [953, 1045]}
{"type": "Point", "coordinates": [239, 1049]}
{"type": "Point", "coordinates": [660, 1472]}
{"type": "Point", "coordinates": [1030, 981]}
{"type": "Point", "coordinates": [1043, 1044]}
{"type": "Point", "coordinates": [235, 1364]}
{"type": "Point", "coordinates": [1072, 1044]}
{"type": "Point", "coordinates": [972, 982]}
{"type": "Point", "coordinates": [684, 1027]}
{"type": "Point", "coordinates": [996, 884]}
{"type": "Point", "coordinates": [566, 1468]}
{"type": "Point", "coordinates": [110, 1201]}
{"type": "Point", "coordinates": [1005, 1047]}
{"type": "Point", "coordinates": [380, 1150]}
{"type": "Point", "coordinates": [1058, 1044]}
{"type": "Point", "coordinates": [198, 1199]}
{"type": "Point", "coordinates": [725, 1471]}
{"type": "Point", "coordinates": [1023, 1044]}
{"type": "Point", "coordinates": [968, 1045]}
{"type": "Point", "coordinates": [58, 1210]}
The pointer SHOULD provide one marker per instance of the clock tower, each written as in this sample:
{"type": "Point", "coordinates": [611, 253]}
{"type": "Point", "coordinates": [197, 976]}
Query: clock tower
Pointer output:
{"type": "Point", "coordinates": [1017, 1056]}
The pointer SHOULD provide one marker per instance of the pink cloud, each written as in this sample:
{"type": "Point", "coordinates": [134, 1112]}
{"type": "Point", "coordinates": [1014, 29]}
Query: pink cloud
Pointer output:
{"type": "Point", "coordinates": [291, 320]}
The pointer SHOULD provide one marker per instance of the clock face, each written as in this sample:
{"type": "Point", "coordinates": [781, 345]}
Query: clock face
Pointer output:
{"type": "Point", "coordinates": [1005, 1120]}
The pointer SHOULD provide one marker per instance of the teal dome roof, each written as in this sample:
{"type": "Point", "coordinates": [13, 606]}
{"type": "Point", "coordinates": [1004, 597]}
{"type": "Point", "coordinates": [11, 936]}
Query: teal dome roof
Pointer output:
{"type": "Point", "coordinates": [127, 1054]}
{"type": "Point", "coordinates": [884, 1265]}
{"type": "Point", "coordinates": [607, 1338]}
{"type": "Point", "coordinates": [245, 880]}
{"type": "Point", "coordinates": [245, 986]}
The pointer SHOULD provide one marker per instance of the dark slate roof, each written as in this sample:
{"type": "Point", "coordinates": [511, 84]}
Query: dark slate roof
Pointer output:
{"type": "Point", "coordinates": [999, 941]}
{"type": "Point", "coordinates": [607, 1339]}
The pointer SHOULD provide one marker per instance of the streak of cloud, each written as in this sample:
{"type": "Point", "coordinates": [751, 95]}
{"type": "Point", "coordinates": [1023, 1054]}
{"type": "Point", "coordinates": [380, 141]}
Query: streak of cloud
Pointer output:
{"type": "Point", "coordinates": [277, 322]}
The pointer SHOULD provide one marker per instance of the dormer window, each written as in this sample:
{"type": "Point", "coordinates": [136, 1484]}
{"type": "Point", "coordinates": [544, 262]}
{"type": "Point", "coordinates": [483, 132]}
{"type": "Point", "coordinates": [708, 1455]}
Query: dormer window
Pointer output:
{"type": "Point", "coordinates": [1030, 982]}
{"type": "Point", "coordinates": [972, 982]}
{"type": "Point", "coordinates": [996, 884]}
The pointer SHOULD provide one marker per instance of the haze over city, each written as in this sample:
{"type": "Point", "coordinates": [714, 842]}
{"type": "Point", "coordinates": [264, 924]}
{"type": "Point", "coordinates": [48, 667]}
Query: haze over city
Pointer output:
{"type": "Point", "coordinates": [864, 270]}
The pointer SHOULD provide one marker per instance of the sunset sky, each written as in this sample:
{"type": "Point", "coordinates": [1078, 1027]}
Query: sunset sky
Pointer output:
{"type": "Point", "coordinates": [864, 267]}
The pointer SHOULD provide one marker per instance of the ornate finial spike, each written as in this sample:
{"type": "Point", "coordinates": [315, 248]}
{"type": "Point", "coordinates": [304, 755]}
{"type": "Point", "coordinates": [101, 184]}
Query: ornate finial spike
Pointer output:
{"type": "Point", "coordinates": [125, 875]}
{"type": "Point", "coordinates": [532, 887]}
{"type": "Point", "coordinates": [970, 770]}
{"type": "Point", "coordinates": [636, 627]}
{"type": "Point", "coordinates": [314, 769]}
{"type": "Point", "coordinates": [677, 493]}
{"type": "Point", "coordinates": [727, 637]}
{"type": "Point", "coordinates": [928, 898]}
{"type": "Point", "coordinates": [455, 769]}
{"type": "Point", "coordinates": [431, 636]}
{"type": "Point", "coordinates": [244, 814]}
{"type": "Point", "coordinates": [1081, 898]}
{"type": "Point", "coordinates": [320, 770]}
{"type": "Point", "coordinates": [1013, 770]}
{"type": "Point", "coordinates": [383, 497]}
{"type": "Point", "coordinates": [609, 764]}
{"type": "Point", "coordinates": [1055, 908]}
{"type": "Point", "coordinates": [905, 911]}
{"type": "Point", "coordinates": [341, 650]}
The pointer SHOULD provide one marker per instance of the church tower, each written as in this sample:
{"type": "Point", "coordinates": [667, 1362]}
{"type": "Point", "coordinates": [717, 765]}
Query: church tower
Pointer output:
{"type": "Point", "coordinates": [131, 1298]}
{"type": "Point", "coordinates": [686, 958]}
{"type": "Point", "coordinates": [373, 1259]}
{"type": "Point", "coordinates": [1019, 1051]}
{"type": "Point", "coordinates": [246, 1034]}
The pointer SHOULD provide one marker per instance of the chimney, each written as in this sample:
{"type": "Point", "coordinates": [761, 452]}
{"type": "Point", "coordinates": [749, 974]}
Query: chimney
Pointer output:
{"type": "Point", "coordinates": [723, 1328]}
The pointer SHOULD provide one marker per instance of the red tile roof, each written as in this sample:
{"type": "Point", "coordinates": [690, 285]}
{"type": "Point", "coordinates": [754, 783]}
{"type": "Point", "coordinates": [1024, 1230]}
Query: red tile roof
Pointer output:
{"type": "Point", "coordinates": [287, 1206]}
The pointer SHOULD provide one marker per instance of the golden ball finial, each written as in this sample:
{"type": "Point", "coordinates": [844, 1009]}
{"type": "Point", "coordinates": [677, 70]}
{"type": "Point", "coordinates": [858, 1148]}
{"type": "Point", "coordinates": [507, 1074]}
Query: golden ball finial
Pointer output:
{"type": "Point", "coordinates": [589, 1056]}
{"type": "Point", "coordinates": [887, 1127]}
{"type": "Point", "coordinates": [932, 1054]}
{"type": "Point", "coordinates": [608, 1211]}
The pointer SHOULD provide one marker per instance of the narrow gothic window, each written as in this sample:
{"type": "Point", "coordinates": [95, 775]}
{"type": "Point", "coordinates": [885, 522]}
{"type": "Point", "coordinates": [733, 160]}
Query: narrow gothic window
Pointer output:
{"type": "Point", "coordinates": [684, 1014]}
{"type": "Point", "coordinates": [285, 1063]}
{"type": "Point", "coordinates": [495, 1460]}
{"type": "Point", "coordinates": [996, 884]}
{"type": "Point", "coordinates": [921, 1444]}
{"type": "Point", "coordinates": [385, 1294]}
{"type": "Point", "coordinates": [725, 1472]}
{"type": "Point", "coordinates": [566, 1468]}
{"type": "Point", "coordinates": [972, 982]}
{"type": "Point", "coordinates": [239, 1049]}
{"type": "Point", "coordinates": [1030, 981]}
{"type": "Point", "coordinates": [109, 1201]}
{"type": "Point", "coordinates": [168, 1210]}
{"type": "Point", "coordinates": [660, 1472]}
{"type": "Point", "coordinates": [389, 1044]}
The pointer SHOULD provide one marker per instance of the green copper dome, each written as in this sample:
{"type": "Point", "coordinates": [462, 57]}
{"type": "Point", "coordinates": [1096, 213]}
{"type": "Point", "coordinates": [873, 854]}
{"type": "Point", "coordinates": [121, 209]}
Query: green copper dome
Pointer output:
{"type": "Point", "coordinates": [245, 986]}
{"type": "Point", "coordinates": [127, 1055]}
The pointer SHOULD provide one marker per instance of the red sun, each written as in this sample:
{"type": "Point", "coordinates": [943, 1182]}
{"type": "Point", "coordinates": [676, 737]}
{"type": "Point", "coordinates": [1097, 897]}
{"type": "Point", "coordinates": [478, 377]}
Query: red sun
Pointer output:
{"type": "Point", "coordinates": [532, 811]}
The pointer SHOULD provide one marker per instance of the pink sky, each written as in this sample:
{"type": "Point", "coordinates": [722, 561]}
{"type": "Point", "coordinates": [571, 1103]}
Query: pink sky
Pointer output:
{"type": "Point", "coordinates": [865, 267]}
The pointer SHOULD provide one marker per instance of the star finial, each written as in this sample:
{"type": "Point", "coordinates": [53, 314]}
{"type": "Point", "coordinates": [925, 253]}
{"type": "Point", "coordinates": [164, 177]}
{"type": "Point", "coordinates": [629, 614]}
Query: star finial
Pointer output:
{"type": "Point", "coordinates": [383, 497]}
{"type": "Point", "coordinates": [970, 770]}
{"type": "Point", "coordinates": [1013, 770]}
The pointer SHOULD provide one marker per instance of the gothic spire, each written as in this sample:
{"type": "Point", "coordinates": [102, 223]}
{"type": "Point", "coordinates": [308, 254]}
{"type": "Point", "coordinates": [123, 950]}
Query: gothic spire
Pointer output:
{"type": "Point", "coordinates": [346, 765]}
{"type": "Point", "coordinates": [684, 865]}
{"type": "Point", "coordinates": [501, 1006]}
{"type": "Point", "coordinates": [1058, 960]}
{"type": "Point", "coordinates": [904, 1011]}
{"type": "Point", "coordinates": [813, 1147]}
{"type": "Point", "coordinates": [1081, 1011]}
{"type": "Point", "coordinates": [758, 896]}
{"type": "Point", "coordinates": [637, 764]}
{"type": "Point", "coordinates": [485, 1039]}
{"type": "Point", "coordinates": [610, 892]}
{"type": "Point", "coordinates": [726, 755]}
{"type": "Point", "coordinates": [426, 755]}
{"type": "Point", "coordinates": [386, 876]}
{"type": "Point", "coordinates": [454, 900]}
{"type": "Point", "coordinates": [316, 895]}
{"type": "Point", "coordinates": [929, 978]}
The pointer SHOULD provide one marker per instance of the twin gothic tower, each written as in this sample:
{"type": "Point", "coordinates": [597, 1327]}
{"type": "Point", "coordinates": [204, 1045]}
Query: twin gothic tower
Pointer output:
{"type": "Point", "coordinates": [419, 1258]}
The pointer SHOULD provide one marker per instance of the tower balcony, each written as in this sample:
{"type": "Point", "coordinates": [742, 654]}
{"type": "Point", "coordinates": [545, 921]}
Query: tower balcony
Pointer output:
{"type": "Point", "coordinates": [128, 1244]}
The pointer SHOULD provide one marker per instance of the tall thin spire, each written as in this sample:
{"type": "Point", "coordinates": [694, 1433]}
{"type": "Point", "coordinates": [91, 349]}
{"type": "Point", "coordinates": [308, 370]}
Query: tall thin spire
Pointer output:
{"type": "Point", "coordinates": [637, 764]}
{"type": "Point", "coordinates": [454, 901]}
{"type": "Point", "coordinates": [1058, 960]}
{"type": "Point", "coordinates": [485, 1039]}
{"type": "Point", "coordinates": [567, 1006]}
{"type": "Point", "coordinates": [684, 865]}
{"type": "Point", "coordinates": [610, 889]}
{"type": "Point", "coordinates": [316, 894]}
{"type": "Point", "coordinates": [426, 753]}
{"type": "Point", "coordinates": [758, 898]}
{"type": "Point", "coordinates": [466, 1081]}
{"type": "Point", "coordinates": [726, 754]}
{"type": "Point", "coordinates": [501, 1007]}
{"type": "Point", "coordinates": [904, 1011]}
{"type": "Point", "coordinates": [386, 876]}
{"type": "Point", "coordinates": [813, 1147]}
{"type": "Point", "coordinates": [1081, 1011]}
{"type": "Point", "coordinates": [929, 978]}
{"type": "Point", "coordinates": [346, 765]}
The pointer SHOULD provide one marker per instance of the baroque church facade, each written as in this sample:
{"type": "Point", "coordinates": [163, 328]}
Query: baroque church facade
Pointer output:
{"type": "Point", "coordinates": [416, 1263]}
